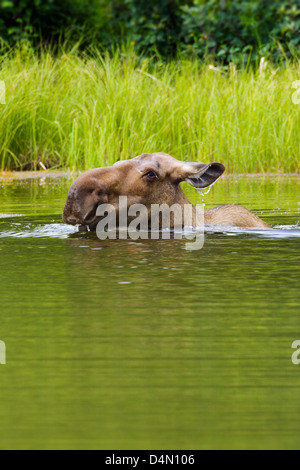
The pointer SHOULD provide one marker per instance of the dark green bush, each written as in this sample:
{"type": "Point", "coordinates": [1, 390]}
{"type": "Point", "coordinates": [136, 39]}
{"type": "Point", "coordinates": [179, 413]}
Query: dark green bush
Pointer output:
{"type": "Point", "coordinates": [226, 29]}
{"type": "Point", "coordinates": [232, 29]}
{"type": "Point", "coordinates": [154, 25]}
{"type": "Point", "coordinates": [46, 19]}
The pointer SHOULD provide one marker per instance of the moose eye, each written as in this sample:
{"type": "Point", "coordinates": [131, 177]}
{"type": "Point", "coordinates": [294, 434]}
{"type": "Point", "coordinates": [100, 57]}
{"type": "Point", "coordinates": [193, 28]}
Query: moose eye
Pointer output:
{"type": "Point", "coordinates": [151, 175]}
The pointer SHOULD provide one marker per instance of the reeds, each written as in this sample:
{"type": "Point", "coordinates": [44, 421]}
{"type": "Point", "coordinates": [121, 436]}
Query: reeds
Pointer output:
{"type": "Point", "coordinates": [78, 112]}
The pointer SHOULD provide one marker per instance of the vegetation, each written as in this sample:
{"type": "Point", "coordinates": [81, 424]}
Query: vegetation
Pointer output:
{"type": "Point", "coordinates": [99, 101]}
{"type": "Point", "coordinates": [82, 111]}
{"type": "Point", "coordinates": [44, 21]}
{"type": "Point", "coordinates": [230, 30]}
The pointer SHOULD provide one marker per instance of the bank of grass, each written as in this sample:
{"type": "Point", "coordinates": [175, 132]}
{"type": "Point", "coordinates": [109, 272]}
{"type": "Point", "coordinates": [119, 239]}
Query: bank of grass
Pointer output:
{"type": "Point", "coordinates": [77, 112]}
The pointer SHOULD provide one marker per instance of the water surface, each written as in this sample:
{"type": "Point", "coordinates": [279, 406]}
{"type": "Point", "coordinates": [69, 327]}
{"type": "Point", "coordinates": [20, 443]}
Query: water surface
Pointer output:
{"type": "Point", "coordinates": [145, 345]}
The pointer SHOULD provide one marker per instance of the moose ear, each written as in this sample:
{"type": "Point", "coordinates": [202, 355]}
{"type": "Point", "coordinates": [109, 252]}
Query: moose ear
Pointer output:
{"type": "Point", "coordinates": [201, 175]}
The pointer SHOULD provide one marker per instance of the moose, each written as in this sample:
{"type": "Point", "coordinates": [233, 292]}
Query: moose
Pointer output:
{"type": "Point", "coordinates": [150, 179]}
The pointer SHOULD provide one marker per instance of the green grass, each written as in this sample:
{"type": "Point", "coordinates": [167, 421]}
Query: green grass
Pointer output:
{"type": "Point", "coordinates": [81, 112]}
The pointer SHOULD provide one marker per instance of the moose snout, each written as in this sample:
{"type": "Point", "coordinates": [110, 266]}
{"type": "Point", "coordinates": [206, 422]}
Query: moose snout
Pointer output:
{"type": "Point", "coordinates": [69, 216]}
{"type": "Point", "coordinates": [75, 215]}
{"type": "Point", "coordinates": [72, 220]}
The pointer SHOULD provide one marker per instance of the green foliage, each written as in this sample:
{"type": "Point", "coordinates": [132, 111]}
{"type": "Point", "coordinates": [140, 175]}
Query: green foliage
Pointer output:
{"type": "Point", "coordinates": [155, 25]}
{"type": "Point", "coordinates": [228, 29]}
{"type": "Point", "coordinates": [232, 29]}
{"type": "Point", "coordinates": [76, 111]}
{"type": "Point", "coordinates": [43, 19]}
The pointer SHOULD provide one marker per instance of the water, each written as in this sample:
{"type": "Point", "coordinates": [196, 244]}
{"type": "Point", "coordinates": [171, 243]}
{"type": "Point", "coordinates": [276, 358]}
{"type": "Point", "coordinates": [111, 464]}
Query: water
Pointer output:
{"type": "Point", "coordinates": [134, 345]}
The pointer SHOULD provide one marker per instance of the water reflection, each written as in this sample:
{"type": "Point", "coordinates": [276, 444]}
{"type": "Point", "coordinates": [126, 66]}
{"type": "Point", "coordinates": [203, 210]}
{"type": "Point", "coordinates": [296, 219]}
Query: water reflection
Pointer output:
{"type": "Point", "coordinates": [144, 344]}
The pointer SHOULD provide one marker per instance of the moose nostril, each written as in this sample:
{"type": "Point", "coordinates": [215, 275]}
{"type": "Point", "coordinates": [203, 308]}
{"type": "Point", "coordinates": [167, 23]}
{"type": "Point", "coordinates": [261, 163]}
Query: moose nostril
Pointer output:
{"type": "Point", "coordinates": [72, 221]}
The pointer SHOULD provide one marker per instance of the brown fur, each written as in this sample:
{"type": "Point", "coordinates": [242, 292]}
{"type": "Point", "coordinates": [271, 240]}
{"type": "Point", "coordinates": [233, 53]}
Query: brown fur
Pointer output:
{"type": "Point", "coordinates": [134, 179]}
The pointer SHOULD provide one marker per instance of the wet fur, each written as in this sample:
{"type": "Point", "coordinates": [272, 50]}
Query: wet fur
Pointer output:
{"type": "Point", "coordinates": [129, 178]}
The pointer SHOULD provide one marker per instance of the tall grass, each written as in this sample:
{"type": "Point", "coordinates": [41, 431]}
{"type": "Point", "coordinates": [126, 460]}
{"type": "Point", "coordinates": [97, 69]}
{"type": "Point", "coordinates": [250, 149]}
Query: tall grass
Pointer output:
{"type": "Point", "coordinates": [82, 112]}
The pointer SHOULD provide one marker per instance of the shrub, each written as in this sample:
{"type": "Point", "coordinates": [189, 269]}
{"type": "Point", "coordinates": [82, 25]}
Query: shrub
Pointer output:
{"type": "Point", "coordinates": [232, 29]}
{"type": "Point", "coordinates": [46, 19]}
{"type": "Point", "coordinates": [227, 29]}
{"type": "Point", "coordinates": [151, 26]}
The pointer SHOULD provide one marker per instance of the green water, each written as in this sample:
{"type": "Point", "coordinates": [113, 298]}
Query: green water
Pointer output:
{"type": "Point", "coordinates": [193, 352]}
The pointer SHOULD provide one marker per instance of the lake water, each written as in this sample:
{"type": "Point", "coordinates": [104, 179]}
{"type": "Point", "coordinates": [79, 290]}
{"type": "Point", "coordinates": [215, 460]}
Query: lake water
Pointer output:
{"type": "Point", "coordinates": [145, 345]}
